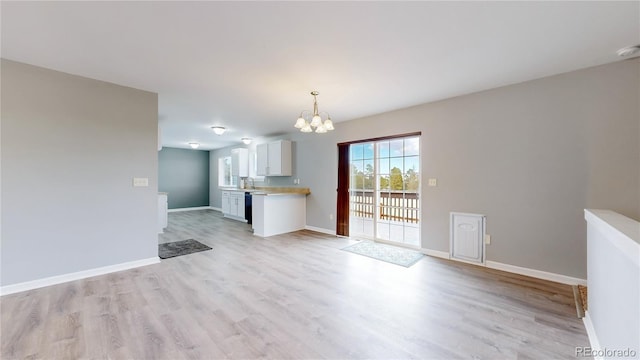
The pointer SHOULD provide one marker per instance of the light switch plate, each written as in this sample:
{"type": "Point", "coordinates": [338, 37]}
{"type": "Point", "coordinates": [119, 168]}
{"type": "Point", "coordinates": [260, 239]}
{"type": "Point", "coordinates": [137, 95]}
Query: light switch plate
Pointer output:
{"type": "Point", "coordinates": [140, 182]}
{"type": "Point", "coordinates": [487, 239]}
{"type": "Point", "coordinates": [433, 182]}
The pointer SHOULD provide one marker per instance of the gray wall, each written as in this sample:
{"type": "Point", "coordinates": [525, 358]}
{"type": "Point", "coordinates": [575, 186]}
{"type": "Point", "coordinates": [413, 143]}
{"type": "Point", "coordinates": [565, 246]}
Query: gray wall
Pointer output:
{"type": "Point", "coordinates": [184, 174]}
{"type": "Point", "coordinates": [529, 156]}
{"type": "Point", "coordinates": [70, 148]}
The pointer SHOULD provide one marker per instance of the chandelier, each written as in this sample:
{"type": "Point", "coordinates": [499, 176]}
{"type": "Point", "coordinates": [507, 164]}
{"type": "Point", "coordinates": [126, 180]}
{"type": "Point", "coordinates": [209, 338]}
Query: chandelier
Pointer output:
{"type": "Point", "coordinates": [321, 126]}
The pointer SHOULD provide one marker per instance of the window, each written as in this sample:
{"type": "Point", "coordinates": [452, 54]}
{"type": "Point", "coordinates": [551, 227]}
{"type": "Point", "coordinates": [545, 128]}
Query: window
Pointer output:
{"type": "Point", "coordinates": [224, 172]}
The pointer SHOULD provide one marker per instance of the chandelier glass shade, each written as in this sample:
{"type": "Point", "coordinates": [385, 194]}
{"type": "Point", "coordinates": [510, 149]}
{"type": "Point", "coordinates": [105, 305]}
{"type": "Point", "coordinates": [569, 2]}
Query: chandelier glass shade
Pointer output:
{"type": "Point", "coordinates": [308, 121]}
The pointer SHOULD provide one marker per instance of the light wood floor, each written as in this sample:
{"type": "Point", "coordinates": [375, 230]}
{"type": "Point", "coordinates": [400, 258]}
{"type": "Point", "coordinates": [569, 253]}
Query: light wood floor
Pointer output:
{"type": "Point", "coordinates": [291, 296]}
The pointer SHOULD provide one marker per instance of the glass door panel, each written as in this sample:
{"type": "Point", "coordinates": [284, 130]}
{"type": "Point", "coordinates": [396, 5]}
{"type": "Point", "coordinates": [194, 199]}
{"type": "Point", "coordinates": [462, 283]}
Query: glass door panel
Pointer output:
{"type": "Point", "coordinates": [384, 190]}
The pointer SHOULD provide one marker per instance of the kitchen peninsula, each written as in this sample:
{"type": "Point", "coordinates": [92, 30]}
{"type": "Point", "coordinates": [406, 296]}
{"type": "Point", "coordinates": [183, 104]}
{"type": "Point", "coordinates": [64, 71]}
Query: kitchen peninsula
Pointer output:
{"type": "Point", "coordinates": [279, 210]}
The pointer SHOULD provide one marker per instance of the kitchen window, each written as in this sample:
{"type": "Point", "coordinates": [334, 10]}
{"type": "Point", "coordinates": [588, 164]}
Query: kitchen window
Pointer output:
{"type": "Point", "coordinates": [224, 172]}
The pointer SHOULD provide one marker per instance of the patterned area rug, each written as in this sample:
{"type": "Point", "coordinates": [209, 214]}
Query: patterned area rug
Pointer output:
{"type": "Point", "coordinates": [178, 248]}
{"type": "Point", "coordinates": [388, 253]}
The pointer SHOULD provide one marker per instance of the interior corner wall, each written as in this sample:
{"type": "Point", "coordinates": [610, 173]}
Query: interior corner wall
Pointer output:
{"type": "Point", "coordinates": [529, 156]}
{"type": "Point", "coordinates": [70, 149]}
{"type": "Point", "coordinates": [184, 175]}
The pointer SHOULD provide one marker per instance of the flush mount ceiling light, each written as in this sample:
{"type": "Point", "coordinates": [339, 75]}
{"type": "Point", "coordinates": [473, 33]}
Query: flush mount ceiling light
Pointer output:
{"type": "Point", "coordinates": [628, 51]}
{"type": "Point", "coordinates": [219, 130]}
{"type": "Point", "coordinates": [246, 140]}
{"type": "Point", "coordinates": [194, 145]}
{"type": "Point", "coordinates": [321, 126]}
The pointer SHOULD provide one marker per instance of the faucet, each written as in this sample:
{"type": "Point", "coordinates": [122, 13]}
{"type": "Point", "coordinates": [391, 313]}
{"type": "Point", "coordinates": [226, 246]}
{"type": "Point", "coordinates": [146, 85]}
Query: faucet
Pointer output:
{"type": "Point", "coordinates": [250, 183]}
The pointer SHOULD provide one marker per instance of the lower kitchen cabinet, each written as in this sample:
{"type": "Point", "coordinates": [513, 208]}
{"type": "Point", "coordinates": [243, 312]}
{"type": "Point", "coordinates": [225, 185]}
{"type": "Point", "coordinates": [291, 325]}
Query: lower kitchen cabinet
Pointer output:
{"type": "Point", "coordinates": [233, 205]}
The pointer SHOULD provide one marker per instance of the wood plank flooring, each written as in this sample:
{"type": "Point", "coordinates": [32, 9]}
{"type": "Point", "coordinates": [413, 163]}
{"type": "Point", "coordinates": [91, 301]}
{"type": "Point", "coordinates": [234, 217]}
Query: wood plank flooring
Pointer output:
{"type": "Point", "coordinates": [293, 296]}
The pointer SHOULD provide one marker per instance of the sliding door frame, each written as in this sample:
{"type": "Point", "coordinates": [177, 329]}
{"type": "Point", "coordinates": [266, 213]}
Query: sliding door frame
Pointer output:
{"type": "Point", "coordinates": [342, 201]}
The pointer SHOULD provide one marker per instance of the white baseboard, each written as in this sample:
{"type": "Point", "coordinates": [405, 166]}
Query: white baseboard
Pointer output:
{"type": "Point", "coordinates": [191, 209]}
{"type": "Point", "coordinates": [539, 274]}
{"type": "Point", "coordinates": [435, 253]}
{"type": "Point", "coordinates": [591, 332]}
{"type": "Point", "coordinates": [215, 208]}
{"type": "Point", "coordinates": [236, 218]}
{"type": "Point", "coordinates": [320, 230]}
{"type": "Point", "coordinates": [59, 279]}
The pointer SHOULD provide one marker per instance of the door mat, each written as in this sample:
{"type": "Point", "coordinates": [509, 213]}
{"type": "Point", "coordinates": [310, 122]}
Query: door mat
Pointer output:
{"type": "Point", "coordinates": [388, 253]}
{"type": "Point", "coordinates": [178, 248]}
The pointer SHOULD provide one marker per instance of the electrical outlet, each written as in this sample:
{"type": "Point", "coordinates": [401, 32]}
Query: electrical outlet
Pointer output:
{"type": "Point", "coordinates": [296, 181]}
{"type": "Point", "coordinates": [487, 239]}
{"type": "Point", "coordinates": [140, 182]}
{"type": "Point", "coordinates": [330, 216]}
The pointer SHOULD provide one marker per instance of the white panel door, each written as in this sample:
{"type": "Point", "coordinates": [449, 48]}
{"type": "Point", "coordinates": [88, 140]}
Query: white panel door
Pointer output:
{"type": "Point", "coordinates": [467, 237]}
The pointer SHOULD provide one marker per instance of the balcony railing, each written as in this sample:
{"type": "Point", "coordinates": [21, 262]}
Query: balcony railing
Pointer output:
{"type": "Point", "coordinates": [393, 205]}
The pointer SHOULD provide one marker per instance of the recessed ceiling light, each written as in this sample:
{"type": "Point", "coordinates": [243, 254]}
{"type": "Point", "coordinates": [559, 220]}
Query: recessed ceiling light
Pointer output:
{"type": "Point", "coordinates": [246, 140]}
{"type": "Point", "coordinates": [219, 130]}
{"type": "Point", "coordinates": [628, 51]}
{"type": "Point", "coordinates": [194, 145]}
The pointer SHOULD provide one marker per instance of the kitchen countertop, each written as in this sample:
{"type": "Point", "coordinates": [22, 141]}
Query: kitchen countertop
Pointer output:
{"type": "Point", "coordinates": [266, 190]}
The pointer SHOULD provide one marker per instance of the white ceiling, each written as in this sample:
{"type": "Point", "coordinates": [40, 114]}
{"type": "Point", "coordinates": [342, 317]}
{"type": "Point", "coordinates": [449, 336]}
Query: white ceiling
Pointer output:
{"type": "Point", "coordinates": [249, 66]}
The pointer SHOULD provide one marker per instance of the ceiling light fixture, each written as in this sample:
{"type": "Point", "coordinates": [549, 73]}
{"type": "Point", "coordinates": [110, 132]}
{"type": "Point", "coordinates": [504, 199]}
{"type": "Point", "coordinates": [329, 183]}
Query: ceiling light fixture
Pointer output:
{"type": "Point", "coordinates": [316, 120]}
{"type": "Point", "coordinates": [628, 51]}
{"type": "Point", "coordinates": [246, 140]}
{"type": "Point", "coordinates": [219, 130]}
{"type": "Point", "coordinates": [194, 145]}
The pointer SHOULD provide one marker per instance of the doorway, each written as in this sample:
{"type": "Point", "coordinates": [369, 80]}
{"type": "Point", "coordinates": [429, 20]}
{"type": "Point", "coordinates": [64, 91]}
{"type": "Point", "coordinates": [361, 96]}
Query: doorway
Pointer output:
{"type": "Point", "coordinates": [384, 189]}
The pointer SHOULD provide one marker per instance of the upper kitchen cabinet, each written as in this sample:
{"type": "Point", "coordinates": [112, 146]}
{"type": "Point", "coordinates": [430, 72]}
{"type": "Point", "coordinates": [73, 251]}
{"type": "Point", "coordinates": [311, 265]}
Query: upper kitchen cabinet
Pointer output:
{"type": "Point", "coordinates": [274, 158]}
{"type": "Point", "coordinates": [240, 162]}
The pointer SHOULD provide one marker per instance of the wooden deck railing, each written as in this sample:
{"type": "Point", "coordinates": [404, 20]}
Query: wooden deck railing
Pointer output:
{"type": "Point", "coordinates": [394, 205]}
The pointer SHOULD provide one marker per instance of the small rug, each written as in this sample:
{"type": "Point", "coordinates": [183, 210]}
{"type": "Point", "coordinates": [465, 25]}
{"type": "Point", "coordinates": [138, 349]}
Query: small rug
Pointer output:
{"type": "Point", "coordinates": [178, 248]}
{"type": "Point", "coordinates": [388, 253]}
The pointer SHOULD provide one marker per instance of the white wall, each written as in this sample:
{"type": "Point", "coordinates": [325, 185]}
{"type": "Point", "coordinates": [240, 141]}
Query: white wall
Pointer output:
{"type": "Point", "coordinates": [614, 281]}
{"type": "Point", "coordinates": [70, 148]}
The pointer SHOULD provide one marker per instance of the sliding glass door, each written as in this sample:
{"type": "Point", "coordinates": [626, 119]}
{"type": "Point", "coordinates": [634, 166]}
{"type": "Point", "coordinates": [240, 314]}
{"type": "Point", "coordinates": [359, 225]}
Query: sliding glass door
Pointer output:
{"type": "Point", "coordinates": [384, 190]}
{"type": "Point", "coordinates": [361, 190]}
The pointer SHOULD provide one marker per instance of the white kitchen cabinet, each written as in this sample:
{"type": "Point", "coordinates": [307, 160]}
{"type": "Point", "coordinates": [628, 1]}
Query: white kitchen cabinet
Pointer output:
{"type": "Point", "coordinates": [262, 159]}
{"type": "Point", "coordinates": [274, 158]}
{"type": "Point", "coordinates": [240, 162]}
{"type": "Point", "coordinates": [225, 202]}
{"type": "Point", "coordinates": [236, 202]}
{"type": "Point", "coordinates": [233, 205]}
{"type": "Point", "coordinates": [163, 216]}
